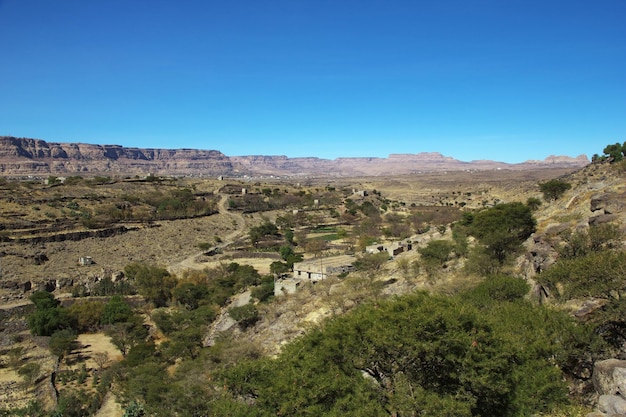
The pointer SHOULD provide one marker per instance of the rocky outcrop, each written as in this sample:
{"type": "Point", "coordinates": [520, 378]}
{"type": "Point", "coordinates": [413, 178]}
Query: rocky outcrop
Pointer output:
{"type": "Point", "coordinates": [21, 156]}
{"type": "Point", "coordinates": [609, 381]}
{"type": "Point", "coordinates": [608, 203]}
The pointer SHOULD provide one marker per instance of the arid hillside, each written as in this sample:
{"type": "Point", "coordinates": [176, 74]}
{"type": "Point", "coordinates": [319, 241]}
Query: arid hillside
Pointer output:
{"type": "Point", "coordinates": [202, 275]}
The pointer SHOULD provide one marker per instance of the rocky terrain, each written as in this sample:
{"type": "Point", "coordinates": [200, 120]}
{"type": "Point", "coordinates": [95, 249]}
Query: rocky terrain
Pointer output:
{"type": "Point", "coordinates": [43, 233]}
{"type": "Point", "coordinates": [21, 156]}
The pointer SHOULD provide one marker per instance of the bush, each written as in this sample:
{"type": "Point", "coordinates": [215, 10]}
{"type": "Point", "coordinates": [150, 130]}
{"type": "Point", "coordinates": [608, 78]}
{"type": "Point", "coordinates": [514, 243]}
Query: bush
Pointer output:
{"type": "Point", "coordinates": [265, 291]}
{"type": "Point", "coordinates": [497, 288]}
{"type": "Point", "coordinates": [598, 274]}
{"type": "Point", "coordinates": [437, 250]}
{"type": "Point", "coordinates": [533, 203]}
{"type": "Point", "coordinates": [190, 295]}
{"type": "Point", "coordinates": [153, 282]}
{"type": "Point", "coordinates": [415, 355]}
{"type": "Point", "coordinates": [246, 315]}
{"type": "Point", "coordinates": [86, 316]}
{"type": "Point", "coordinates": [30, 372]}
{"type": "Point", "coordinates": [595, 239]}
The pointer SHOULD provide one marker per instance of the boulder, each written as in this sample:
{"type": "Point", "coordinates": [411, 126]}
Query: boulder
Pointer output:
{"type": "Point", "coordinates": [609, 203]}
{"type": "Point", "coordinates": [612, 404]}
{"type": "Point", "coordinates": [609, 377]}
{"type": "Point", "coordinates": [601, 219]}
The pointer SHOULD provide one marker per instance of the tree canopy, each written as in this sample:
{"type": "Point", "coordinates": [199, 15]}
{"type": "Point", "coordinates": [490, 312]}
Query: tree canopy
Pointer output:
{"type": "Point", "coordinates": [418, 355]}
{"type": "Point", "coordinates": [554, 189]}
{"type": "Point", "coordinates": [502, 228]}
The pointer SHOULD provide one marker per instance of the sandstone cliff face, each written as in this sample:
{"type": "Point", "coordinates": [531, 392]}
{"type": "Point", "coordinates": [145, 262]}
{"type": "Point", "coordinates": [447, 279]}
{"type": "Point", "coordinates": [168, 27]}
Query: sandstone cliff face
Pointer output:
{"type": "Point", "coordinates": [20, 156]}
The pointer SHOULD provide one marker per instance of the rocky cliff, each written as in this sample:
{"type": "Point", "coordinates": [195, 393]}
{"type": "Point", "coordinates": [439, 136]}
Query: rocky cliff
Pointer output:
{"type": "Point", "coordinates": [21, 156]}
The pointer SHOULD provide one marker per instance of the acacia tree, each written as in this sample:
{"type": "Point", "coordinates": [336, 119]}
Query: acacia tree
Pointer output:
{"type": "Point", "coordinates": [554, 189]}
{"type": "Point", "coordinates": [502, 228]}
{"type": "Point", "coordinates": [615, 152]}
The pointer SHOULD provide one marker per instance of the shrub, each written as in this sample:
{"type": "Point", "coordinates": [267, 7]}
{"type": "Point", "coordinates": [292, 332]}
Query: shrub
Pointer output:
{"type": "Point", "coordinates": [554, 189]}
{"type": "Point", "coordinates": [246, 315]}
{"type": "Point", "coordinates": [437, 250]}
{"type": "Point", "coordinates": [533, 203]}
{"type": "Point", "coordinates": [30, 372]}
{"type": "Point", "coordinates": [597, 274]}
{"type": "Point", "coordinates": [415, 355]}
{"type": "Point", "coordinates": [496, 288]}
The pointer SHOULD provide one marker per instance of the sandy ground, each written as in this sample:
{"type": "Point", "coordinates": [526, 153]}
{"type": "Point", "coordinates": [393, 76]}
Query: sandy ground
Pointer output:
{"type": "Point", "coordinates": [93, 344]}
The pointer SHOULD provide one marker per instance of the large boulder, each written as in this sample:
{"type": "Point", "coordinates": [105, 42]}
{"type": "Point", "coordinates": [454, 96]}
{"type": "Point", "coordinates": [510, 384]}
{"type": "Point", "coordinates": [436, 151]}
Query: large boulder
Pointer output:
{"type": "Point", "coordinates": [612, 405]}
{"type": "Point", "coordinates": [609, 377]}
{"type": "Point", "coordinates": [609, 203]}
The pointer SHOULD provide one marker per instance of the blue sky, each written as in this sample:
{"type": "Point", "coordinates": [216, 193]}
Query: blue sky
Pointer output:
{"type": "Point", "coordinates": [473, 79]}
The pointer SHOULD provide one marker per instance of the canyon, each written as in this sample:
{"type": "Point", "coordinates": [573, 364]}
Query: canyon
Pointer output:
{"type": "Point", "coordinates": [24, 157]}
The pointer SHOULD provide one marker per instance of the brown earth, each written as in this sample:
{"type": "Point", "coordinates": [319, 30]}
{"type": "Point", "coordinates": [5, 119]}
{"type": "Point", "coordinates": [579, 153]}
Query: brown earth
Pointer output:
{"type": "Point", "coordinates": [175, 243]}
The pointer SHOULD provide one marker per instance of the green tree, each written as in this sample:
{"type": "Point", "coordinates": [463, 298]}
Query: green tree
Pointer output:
{"type": "Point", "coordinates": [615, 152]}
{"type": "Point", "coordinates": [502, 228]}
{"type": "Point", "coordinates": [86, 316]}
{"type": "Point", "coordinates": [116, 310]}
{"type": "Point", "coordinates": [49, 315]}
{"type": "Point", "coordinates": [279, 268]}
{"type": "Point", "coordinates": [190, 295]}
{"type": "Point", "coordinates": [154, 283]}
{"type": "Point", "coordinates": [438, 251]}
{"type": "Point", "coordinates": [415, 355]}
{"type": "Point", "coordinates": [554, 189]}
{"type": "Point", "coordinates": [62, 342]}
{"type": "Point", "coordinates": [43, 300]}
{"type": "Point", "coordinates": [259, 232]}
{"type": "Point", "coordinates": [125, 335]}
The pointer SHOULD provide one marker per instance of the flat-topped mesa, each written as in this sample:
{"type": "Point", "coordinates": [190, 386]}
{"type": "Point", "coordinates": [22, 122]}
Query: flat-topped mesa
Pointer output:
{"type": "Point", "coordinates": [563, 159]}
{"type": "Point", "coordinates": [422, 157]}
{"type": "Point", "coordinates": [22, 156]}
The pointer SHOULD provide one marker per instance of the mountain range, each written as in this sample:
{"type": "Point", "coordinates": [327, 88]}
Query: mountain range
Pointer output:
{"type": "Point", "coordinates": [24, 156]}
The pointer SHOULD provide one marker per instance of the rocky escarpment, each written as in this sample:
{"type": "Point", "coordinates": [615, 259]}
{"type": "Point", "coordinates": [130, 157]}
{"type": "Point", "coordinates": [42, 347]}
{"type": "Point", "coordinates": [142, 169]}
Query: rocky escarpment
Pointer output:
{"type": "Point", "coordinates": [20, 156]}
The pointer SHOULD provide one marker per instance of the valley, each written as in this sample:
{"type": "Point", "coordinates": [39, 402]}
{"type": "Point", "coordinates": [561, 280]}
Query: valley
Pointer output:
{"type": "Point", "coordinates": [214, 249]}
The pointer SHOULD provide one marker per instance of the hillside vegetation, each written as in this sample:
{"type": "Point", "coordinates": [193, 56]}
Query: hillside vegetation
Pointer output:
{"type": "Point", "coordinates": [503, 307]}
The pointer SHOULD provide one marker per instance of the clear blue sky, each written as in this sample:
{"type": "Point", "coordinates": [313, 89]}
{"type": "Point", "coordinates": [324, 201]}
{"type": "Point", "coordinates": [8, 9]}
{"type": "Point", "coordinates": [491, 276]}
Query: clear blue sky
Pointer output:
{"type": "Point", "coordinates": [473, 79]}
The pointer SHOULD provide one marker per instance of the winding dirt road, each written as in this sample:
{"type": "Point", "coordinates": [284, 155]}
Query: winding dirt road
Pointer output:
{"type": "Point", "coordinates": [240, 227]}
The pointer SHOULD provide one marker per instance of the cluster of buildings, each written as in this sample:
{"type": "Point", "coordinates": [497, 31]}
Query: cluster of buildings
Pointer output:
{"type": "Point", "coordinates": [317, 269]}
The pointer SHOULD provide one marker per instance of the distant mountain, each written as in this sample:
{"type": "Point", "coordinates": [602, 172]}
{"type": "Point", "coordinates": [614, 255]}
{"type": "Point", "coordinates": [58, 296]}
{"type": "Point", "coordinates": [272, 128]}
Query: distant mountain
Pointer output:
{"type": "Point", "coordinates": [21, 156]}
